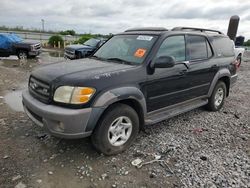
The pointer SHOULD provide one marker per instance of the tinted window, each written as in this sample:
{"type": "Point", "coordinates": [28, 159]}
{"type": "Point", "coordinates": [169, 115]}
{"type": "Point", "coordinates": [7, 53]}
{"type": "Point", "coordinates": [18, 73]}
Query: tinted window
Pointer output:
{"type": "Point", "coordinates": [224, 46]}
{"type": "Point", "coordinates": [209, 51]}
{"type": "Point", "coordinates": [173, 46]}
{"type": "Point", "coordinates": [197, 47]}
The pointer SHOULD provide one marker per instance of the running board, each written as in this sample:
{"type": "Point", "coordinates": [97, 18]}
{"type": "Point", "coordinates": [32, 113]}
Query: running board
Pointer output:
{"type": "Point", "coordinates": [174, 110]}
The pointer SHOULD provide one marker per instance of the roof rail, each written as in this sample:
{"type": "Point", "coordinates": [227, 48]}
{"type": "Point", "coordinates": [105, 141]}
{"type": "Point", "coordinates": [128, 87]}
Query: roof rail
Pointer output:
{"type": "Point", "coordinates": [147, 29]}
{"type": "Point", "coordinates": [195, 29]}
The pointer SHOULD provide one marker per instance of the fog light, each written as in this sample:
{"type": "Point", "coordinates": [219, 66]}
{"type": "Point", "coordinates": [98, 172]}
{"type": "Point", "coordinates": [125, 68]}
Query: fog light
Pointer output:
{"type": "Point", "coordinates": [59, 127]}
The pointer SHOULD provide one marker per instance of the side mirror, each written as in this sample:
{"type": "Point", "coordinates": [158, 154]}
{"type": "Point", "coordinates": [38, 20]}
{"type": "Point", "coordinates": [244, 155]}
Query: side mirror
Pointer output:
{"type": "Point", "coordinates": [164, 62]}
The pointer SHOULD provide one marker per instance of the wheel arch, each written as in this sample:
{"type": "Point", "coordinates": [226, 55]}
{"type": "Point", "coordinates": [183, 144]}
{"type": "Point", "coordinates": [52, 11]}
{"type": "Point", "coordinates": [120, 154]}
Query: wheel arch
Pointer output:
{"type": "Point", "coordinates": [222, 75]}
{"type": "Point", "coordinates": [130, 96]}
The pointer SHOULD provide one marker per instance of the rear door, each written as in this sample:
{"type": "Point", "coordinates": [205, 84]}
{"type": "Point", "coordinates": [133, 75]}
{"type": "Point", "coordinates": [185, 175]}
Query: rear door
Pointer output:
{"type": "Point", "coordinates": [202, 68]}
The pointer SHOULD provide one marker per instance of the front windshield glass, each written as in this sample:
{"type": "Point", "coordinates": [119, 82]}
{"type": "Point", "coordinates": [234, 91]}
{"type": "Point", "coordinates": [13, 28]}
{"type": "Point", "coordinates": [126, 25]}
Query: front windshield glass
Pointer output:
{"type": "Point", "coordinates": [91, 42]}
{"type": "Point", "coordinates": [126, 48]}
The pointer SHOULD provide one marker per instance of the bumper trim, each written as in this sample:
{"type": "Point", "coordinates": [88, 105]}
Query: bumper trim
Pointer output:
{"type": "Point", "coordinates": [58, 121]}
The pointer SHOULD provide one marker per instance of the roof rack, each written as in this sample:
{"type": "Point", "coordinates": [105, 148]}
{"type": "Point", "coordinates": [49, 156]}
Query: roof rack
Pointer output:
{"type": "Point", "coordinates": [195, 29]}
{"type": "Point", "coordinates": [147, 29]}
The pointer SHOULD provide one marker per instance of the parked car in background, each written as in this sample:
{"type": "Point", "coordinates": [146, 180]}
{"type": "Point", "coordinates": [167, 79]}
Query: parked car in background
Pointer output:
{"type": "Point", "coordinates": [11, 44]}
{"type": "Point", "coordinates": [239, 53]}
{"type": "Point", "coordinates": [78, 51]}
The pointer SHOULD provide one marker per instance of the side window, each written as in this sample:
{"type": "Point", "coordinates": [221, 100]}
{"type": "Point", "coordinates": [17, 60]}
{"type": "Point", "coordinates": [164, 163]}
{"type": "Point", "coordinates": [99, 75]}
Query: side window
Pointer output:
{"type": "Point", "coordinates": [209, 51]}
{"type": "Point", "coordinates": [173, 46]}
{"type": "Point", "coordinates": [198, 48]}
{"type": "Point", "coordinates": [224, 46]}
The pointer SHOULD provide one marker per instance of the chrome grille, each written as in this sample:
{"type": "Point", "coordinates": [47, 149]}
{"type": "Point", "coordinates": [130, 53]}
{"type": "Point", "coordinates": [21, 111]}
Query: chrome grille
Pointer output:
{"type": "Point", "coordinates": [37, 46]}
{"type": "Point", "coordinates": [39, 89]}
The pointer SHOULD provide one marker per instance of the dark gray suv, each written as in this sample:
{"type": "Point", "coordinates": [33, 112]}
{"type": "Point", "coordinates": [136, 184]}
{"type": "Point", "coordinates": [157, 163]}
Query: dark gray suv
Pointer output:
{"type": "Point", "coordinates": [138, 77]}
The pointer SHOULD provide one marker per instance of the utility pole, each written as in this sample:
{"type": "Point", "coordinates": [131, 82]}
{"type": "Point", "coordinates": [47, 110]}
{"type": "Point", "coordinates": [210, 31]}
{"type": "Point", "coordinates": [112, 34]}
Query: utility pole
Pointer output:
{"type": "Point", "coordinates": [42, 25]}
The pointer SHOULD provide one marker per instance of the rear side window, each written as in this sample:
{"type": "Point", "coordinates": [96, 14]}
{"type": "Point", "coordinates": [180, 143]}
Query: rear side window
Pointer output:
{"type": "Point", "coordinates": [173, 46]}
{"type": "Point", "coordinates": [224, 46]}
{"type": "Point", "coordinates": [198, 48]}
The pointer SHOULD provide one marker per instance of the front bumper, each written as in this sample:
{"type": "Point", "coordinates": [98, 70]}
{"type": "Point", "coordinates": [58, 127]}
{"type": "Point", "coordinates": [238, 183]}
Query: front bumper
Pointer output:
{"type": "Point", "coordinates": [35, 52]}
{"type": "Point", "coordinates": [58, 121]}
{"type": "Point", "coordinates": [69, 55]}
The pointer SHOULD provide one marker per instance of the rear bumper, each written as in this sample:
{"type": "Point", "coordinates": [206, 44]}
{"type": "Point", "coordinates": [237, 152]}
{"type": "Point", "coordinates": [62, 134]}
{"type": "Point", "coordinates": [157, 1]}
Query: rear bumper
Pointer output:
{"type": "Point", "coordinates": [58, 121]}
{"type": "Point", "coordinates": [233, 80]}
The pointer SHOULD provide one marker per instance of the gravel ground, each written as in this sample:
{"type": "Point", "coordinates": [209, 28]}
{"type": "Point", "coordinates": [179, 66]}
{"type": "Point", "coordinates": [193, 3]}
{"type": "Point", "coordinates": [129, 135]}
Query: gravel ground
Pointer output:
{"type": "Point", "coordinates": [195, 149]}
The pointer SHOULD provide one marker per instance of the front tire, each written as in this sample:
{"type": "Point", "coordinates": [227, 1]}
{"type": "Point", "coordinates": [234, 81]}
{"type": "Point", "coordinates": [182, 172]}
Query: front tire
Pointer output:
{"type": "Point", "coordinates": [116, 130]}
{"type": "Point", "coordinates": [216, 101]}
{"type": "Point", "coordinates": [22, 55]}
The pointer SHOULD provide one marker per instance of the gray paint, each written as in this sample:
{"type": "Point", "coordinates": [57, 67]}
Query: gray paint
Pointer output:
{"type": "Point", "coordinates": [74, 120]}
{"type": "Point", "coordinates": [118, 94]}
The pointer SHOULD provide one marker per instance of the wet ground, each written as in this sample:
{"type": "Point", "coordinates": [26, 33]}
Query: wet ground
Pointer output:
{"type": "Point", "coordinates": [13, 97]}
{"type": "Point", "coordinates": [196, 149]}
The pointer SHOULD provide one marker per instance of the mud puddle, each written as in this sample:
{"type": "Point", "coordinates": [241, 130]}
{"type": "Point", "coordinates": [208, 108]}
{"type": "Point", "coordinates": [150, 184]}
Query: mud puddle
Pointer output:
{"type": "Point", "coordinates": [45, 57]}
{"type": "Point", "coordinates": [14, 100]}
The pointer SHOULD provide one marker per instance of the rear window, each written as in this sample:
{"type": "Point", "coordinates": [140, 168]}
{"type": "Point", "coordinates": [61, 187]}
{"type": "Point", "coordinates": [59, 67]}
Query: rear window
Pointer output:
{"type": "Point", "coordinates": [224, 46]}
{"type": "Point", "coordinates": [198, 48]}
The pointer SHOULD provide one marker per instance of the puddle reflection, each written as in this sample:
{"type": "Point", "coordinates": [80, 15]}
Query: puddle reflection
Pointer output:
{"type": "Point", "coordinates": [44, 58]}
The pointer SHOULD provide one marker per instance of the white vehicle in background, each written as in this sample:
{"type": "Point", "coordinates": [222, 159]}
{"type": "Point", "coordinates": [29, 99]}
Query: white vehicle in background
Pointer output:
{"type": "Point", "coordinates": [239, 52]}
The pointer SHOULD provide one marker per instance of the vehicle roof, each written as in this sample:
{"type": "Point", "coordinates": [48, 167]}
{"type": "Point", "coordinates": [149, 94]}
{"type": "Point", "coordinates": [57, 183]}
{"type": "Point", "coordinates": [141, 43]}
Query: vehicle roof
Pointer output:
{"type": "Point", "coordinates": [176, 30]}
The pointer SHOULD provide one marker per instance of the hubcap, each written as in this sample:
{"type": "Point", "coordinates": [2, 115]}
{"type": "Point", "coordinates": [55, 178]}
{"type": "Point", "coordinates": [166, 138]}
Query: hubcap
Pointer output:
{"type": "Point", "coordinates": [23, 55]}
{"type": "Point", "coordinates": [120, 131]}
{"type": "Point", "coordinates": [219, 97]}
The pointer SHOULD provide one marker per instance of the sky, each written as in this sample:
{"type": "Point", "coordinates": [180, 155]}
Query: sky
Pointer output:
{"type": "Point", "coordinates": [113, 16]}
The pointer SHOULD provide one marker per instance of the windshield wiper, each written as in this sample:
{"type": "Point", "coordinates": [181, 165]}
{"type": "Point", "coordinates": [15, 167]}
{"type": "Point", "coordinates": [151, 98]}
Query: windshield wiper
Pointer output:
{"type": "Point", "coordinates": [97, 57]}
{"type": "Point", "coordinates": [119, 60]}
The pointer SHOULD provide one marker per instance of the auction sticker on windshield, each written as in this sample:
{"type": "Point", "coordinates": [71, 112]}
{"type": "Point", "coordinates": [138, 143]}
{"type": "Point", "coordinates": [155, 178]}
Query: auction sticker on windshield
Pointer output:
{"type": "Point", "coordinates": [144, 37]}
{"type": "Point", "coordinates": [140, 52]}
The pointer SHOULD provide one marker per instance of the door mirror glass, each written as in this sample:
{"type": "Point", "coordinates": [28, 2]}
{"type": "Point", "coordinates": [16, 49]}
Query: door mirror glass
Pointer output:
{"type": "Point", "coordinates": [164, 62]}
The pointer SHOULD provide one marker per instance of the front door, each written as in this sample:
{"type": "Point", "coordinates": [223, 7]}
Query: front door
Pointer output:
{"type": "Point", "coordinates": [167, 86]}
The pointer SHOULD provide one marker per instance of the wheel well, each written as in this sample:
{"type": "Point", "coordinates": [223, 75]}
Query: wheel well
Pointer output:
{"type": "Point", "coordinates": [135, 105]}
{"type": "Point", "coordinates": [21, 50]}
{"type": "Point", "coordinates": [226, 80]}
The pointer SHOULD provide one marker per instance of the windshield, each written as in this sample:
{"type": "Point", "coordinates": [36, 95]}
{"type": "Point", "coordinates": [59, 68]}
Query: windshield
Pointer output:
{"type": "Point", "coordinates": [126, 48]}
{"type": "Point", "coordinates": [91, 42]}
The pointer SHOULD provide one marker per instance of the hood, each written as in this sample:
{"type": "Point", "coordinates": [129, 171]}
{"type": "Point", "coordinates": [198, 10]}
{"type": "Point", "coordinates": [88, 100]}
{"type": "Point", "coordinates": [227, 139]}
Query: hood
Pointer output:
{"type": "Point", "coordinates": [77, 70]}
{"type": "Point", "coordinates": [29, 42]}
{"type": "Point", "coordinates": [78, 46]}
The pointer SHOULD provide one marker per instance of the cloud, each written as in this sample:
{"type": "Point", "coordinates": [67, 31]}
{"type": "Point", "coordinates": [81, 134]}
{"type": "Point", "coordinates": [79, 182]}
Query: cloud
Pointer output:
{"type": "Point", "coordinates": [111, 16]}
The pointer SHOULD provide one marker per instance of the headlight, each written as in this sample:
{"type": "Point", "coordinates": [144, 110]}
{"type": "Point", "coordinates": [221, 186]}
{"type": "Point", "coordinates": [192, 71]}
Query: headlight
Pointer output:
{"type": "Point", "coordinates": [32, 48]}
{"type": "Point", "coordinates": [73, 95]}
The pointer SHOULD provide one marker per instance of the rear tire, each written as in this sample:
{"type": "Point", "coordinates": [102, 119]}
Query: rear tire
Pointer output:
{"type": "Point", "coordinates": [22, 54]}
{"type": "Point", "coordinates": [116, 130]}
{"type": "Point", "coordinates": [239, 59]}
{"type": "Point", "coordinates": [216, 101]}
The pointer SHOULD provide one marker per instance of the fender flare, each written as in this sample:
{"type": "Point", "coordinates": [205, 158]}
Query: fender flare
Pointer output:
{"type": "Point", "coordinates": [117, 94]}
{"type": "Point", "coordinates": [221, 73]}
